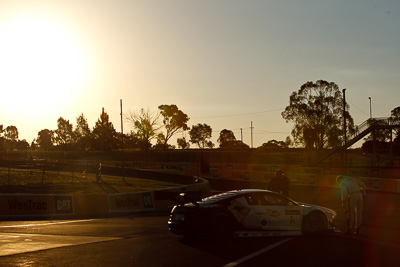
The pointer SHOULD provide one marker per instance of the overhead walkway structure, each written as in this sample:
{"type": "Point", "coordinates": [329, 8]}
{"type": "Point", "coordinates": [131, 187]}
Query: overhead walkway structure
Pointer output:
{"type": "Point", "coordinates": [361, 131]}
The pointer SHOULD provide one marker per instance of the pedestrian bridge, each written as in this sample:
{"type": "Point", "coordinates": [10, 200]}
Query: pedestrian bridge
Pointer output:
{"type": "Point", "coordinates": [361, 131]}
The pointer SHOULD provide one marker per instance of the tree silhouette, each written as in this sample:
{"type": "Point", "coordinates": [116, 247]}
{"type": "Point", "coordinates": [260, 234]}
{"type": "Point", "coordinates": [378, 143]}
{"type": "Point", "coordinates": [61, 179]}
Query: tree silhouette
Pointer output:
{"type": "Point", "coordinates": [45, 139]}
{"type": "Point", "coordinates": [82, 133]}
{"type": "Point", "coordinates": [317, 112]}
{"type": "Point", "coordinates": [183, 143]}
{"type": "Point", "coordinates": [227, 140]}
{"type": "Point", "coordinates": [11, 137]}
{"type": "Point", "coordinates": [395, 119]}
{"type": "Point", "coordinates": [104, 133]}
{"type": "Point", "coordinates": [64, 132]}
{"type": "Point", "coordinates": [200, 135]}
{"type": "Point", "coordinates": [146, 124]}
{"type": "Point", "coordinates": [274, 144]}
{"type": "Point", "coordinates": [174, 121]}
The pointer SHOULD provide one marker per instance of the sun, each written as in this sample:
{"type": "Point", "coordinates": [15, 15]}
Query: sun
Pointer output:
{"type": "Point", "coordinates": [42, 65]}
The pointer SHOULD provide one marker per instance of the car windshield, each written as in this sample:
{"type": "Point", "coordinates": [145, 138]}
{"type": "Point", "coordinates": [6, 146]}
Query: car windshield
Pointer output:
{"type": "Point", "coordinates": [219, 197]}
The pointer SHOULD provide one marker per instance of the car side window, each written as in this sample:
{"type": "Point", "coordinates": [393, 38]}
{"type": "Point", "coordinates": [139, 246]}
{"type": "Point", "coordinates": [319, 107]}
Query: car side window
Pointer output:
{"type": "Point", "coordinates": [251, 199]}
{"type": "Point", "coordinates": [270, 199]}
{"type": "Point", "coordinates": [258, 199]}
{"type": "Point", "coordinates": [266, 199]}
{"type": "Point", "coordinates": [278, 200]}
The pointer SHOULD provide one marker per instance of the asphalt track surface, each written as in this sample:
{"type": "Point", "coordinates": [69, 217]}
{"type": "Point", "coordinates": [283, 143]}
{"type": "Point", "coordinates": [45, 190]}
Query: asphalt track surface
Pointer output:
{"type": "Point", "coordinates": [144, 240]}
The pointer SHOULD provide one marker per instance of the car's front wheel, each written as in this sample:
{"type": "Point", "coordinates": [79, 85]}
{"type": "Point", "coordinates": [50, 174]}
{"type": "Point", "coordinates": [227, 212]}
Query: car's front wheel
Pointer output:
{"type": "Point", "coordinates": [314, 222]}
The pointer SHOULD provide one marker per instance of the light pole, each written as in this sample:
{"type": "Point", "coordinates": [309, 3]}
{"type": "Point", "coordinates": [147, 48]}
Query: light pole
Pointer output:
{"type": "Point", "coordinates": [370, 108]}
{"type": "Point", "coordinates": [344, 126]}
{"type": "Point", "coordinates": [344, 116]}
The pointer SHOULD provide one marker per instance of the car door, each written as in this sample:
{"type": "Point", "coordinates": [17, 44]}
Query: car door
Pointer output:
{"type": "Point", "coordinates": [264, 215]}
{"type": "Point", "coordinates": [290, 212]}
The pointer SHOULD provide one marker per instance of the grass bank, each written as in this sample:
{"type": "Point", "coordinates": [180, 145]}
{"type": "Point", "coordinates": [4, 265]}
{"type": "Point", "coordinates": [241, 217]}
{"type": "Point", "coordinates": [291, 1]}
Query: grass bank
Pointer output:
{"type": "Point", "coordinates": [34, 181]}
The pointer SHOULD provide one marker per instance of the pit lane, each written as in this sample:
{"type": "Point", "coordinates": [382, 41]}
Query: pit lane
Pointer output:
{"type": "Point", "coordinates": [144, 240]}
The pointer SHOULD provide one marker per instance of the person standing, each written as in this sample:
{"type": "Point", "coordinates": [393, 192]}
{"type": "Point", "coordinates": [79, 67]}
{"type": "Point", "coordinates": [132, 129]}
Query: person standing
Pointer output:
{"type": "Point", "coordinates": [353, 192]}
{"type": "Point", "coordinates": [279, 184]}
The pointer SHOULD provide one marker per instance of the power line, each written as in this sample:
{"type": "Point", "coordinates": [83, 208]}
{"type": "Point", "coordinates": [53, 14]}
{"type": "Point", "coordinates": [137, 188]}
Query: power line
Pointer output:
{"type": "Point", "coordinates": [264, 131]}
{"type": "Point", "coordinates": [356, 107]}
{"type": "Point", "coordinates": [236, 115]}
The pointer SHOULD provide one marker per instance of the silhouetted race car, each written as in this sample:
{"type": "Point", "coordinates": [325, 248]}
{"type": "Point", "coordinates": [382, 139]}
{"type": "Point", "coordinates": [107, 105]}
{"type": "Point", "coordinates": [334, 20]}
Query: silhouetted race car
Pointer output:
{"type": "Point", "coordinates": [249, 212]}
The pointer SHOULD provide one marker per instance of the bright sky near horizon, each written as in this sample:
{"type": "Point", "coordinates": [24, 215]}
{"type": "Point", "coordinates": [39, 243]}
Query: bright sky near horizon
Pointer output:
{"type": "Point", "coordinates": [224, 63]}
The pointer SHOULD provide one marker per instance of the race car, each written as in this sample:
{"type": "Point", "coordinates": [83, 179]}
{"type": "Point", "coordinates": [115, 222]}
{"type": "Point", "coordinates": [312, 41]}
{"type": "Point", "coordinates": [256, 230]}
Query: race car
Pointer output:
{"type": "Point", "coordinates": [249, 212]}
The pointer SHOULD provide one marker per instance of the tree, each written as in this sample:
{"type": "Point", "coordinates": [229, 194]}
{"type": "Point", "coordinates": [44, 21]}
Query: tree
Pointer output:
{"type": "Point", "coordinates": [104, 133]}
{"type": "Point", "coordinates": [45, 139]}
{"type": "Point", "coordinates": [175, 121]}
{"type": "Point", "coordinates": [317, 110]}
{"type": "Point", "coordinates": [82, 134]}
{"type": "Point", "coordinates": [131, 140]}
{"type": "Point", "coordinates": [288, 141]}
{"type": "Point", "coordinates": [274, 144]}
{"type": "Point", "coordinates": [11, 133]}
{"type": "Point", "coordinates": [1, 138]}
{"type": "Point", "coordinates": [161, 143]}
{"type": "Point", "coordinates": [22, 145]}
{"type": "Point", "coordinates": [64, 132]}
{"type": "Point", "coordinates": [182, 143]}
{"type": "Point", "coordinates": [227, 140]}
{"type": "Point", "coordinates": [146, 124]}
{"type": "Point", "coordinates": [225, 136]}
{"type": "Point", "coordinates": [395, 119]}
{"type": "Point", "coordinates": [199, 134]}
{"type": "Point", "coordinates": [10, 137]}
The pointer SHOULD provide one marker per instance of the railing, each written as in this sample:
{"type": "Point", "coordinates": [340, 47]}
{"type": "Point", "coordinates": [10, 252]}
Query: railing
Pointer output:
{"type": "Point", "coordinates": [362, 130]}
{"type": "Point", "coordinates": [377, 122]}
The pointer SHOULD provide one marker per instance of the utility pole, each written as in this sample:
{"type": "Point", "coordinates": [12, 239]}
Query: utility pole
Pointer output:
{"type": "Point", "coordinates": [251, 133]}
{"type": "Point", "coordinates": [241, 135]}
{"type": "Point", "coordinates": [102, 130]}
{"type": "Point", "coordinates": [374, 159]}
{"type": "Point", "coordinates": [122, 146]}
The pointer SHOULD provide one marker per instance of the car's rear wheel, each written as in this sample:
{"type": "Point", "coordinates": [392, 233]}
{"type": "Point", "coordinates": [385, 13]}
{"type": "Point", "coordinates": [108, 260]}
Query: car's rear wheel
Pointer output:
{"type": "Point", "coordinates": [222, 226]}
{"type": "Point", "coordinates": [315, 222]}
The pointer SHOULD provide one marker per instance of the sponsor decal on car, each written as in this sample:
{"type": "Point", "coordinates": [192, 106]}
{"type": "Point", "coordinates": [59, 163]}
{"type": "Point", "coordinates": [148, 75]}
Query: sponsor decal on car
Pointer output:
{"type": "Point", "coordinates": [238, 210]}
{"type": "Point", "coordinates": [292, 212]}
{"type": "Point", "coordinates": [273, 213]}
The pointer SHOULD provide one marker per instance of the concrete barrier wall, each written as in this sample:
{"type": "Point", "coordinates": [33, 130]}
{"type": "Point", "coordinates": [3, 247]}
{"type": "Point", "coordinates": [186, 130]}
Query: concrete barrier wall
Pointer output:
{"type": "Point", "coordinates": [167, 198]}
{"type": "Point", "coordinates": [382, 179]}
{"type": "Point", "coordinates": [124, 202]}
{"type": "Point", "coordinates": [20, 205]}
{"type": "Point", "coordinates": [90, 204]}
{"type": "Point", "coordinates": [42, 205]}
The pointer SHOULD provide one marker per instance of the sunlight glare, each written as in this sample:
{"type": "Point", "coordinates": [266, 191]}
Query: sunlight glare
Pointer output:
{"type": "Point", "coordinates": [41, 65]}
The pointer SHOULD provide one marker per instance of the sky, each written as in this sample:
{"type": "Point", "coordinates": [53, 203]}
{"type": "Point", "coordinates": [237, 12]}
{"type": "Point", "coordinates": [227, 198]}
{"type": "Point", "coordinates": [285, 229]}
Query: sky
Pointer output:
{"type": "Point", "coordinates": [229, 64]}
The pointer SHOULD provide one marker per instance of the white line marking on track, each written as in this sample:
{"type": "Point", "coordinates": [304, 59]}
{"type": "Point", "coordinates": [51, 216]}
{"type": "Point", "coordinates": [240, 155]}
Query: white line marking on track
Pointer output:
{"type": "Point", "coordinates": [257, 253]}
{"type": "Point", "coordinates": [43, 224]}
{"type": "Point", "coordinates": [11, 244]}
